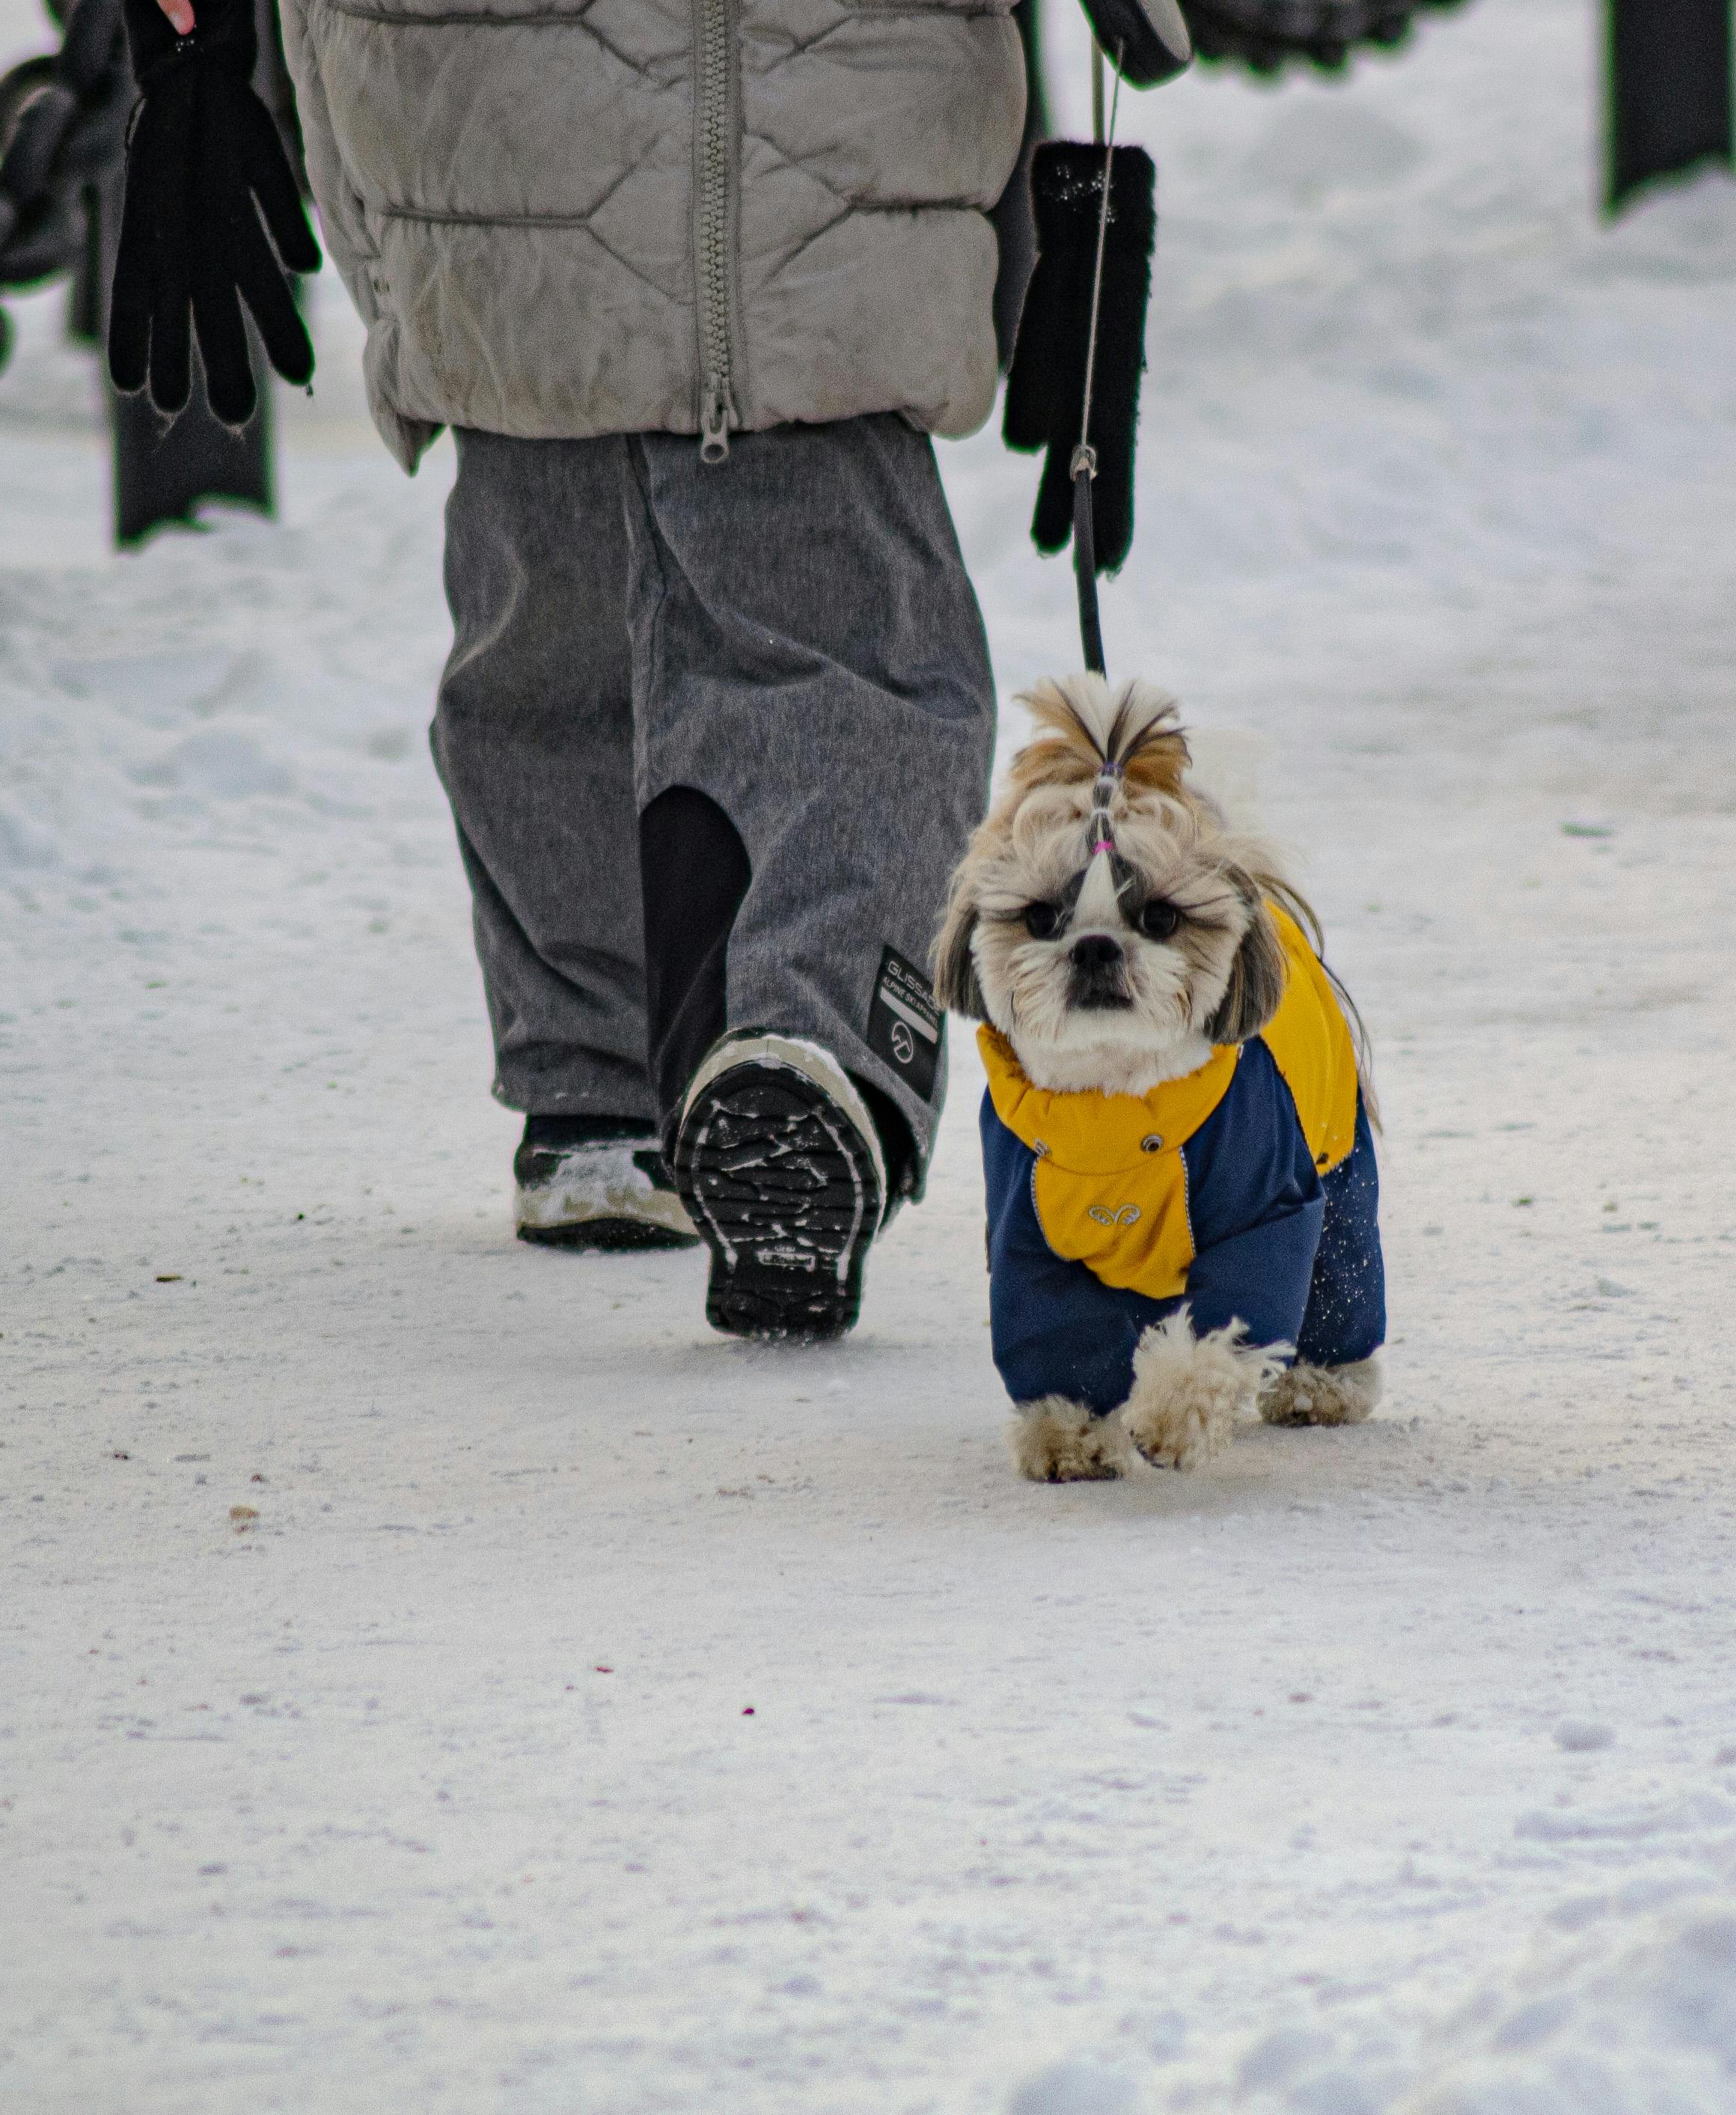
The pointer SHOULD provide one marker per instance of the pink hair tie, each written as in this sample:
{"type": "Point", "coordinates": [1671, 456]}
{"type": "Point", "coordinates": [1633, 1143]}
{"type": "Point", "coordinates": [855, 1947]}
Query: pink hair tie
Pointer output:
{"type": "Point", "coordinates": [1102, 845]}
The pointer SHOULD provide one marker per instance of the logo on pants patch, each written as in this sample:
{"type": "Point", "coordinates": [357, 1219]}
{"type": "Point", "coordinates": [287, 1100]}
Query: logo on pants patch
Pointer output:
{"type": "Point", "coordinates": [905, 1025]}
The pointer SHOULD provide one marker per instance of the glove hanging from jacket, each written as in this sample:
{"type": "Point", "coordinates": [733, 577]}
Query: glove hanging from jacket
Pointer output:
{"type": "Point", "coordinates": [1046, 384]}
{"type": "Point", "coordinates": [206, 178]}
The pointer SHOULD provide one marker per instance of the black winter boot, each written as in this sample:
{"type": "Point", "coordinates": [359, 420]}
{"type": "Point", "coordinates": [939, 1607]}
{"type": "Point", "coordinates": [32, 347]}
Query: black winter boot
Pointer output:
{"type": "Point", "coordinates": [778, 1162]}
{"type": "Point", "coordinates": [596, 1182]}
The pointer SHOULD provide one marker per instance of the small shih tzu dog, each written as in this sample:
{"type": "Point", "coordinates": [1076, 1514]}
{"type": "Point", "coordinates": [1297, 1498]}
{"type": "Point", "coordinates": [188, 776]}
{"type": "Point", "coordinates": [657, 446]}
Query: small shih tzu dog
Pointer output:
{"type": "Point", "coordinates": [1182, 1193]}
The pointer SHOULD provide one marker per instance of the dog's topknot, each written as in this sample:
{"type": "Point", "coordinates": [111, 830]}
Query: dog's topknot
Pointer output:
{"type": "Point", "coordinates": [1085, 723]}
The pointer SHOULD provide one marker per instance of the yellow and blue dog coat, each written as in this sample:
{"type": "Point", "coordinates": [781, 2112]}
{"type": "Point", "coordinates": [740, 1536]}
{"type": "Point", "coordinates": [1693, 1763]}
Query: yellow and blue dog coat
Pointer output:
{"type": "Point", "coordinates": [1247, 1190]}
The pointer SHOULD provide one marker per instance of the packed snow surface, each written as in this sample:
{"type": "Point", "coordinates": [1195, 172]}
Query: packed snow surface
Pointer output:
{"type": "Point", "coordinates": [586, 1714]}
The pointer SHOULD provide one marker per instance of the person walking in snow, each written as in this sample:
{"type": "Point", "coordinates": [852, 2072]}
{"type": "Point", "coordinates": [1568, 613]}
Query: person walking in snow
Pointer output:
{"type": "Point", "coordinates": [692, 285]}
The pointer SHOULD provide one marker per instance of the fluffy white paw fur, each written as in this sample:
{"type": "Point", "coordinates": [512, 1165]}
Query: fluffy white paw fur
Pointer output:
{"type": "Point", "coordinates": [1189, 1390]}
{"type": "Point", "coordinates": [1322, 1395]}
{"type": "Point", "coordinates": [1057, 1442]}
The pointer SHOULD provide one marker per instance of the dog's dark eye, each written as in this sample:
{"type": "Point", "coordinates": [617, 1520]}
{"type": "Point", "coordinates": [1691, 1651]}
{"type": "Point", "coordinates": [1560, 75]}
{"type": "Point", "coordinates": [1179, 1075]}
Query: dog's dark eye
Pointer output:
{"type": "Point", "coordinates": [1159, 919]}
{"type": "Point", "coordinates": [1041, 920]}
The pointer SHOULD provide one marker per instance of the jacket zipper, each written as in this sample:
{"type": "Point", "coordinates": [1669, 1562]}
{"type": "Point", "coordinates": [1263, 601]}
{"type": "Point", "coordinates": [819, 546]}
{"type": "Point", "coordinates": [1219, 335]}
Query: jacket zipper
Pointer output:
{"type": "Point", "coordinates": [712, 234]}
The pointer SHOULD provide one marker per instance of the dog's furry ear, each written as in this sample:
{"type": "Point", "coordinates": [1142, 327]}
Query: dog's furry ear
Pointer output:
{"type": "Point", "coordinates": [956, 985]}
{"type": "Point", "coordinates": [1257, 976]}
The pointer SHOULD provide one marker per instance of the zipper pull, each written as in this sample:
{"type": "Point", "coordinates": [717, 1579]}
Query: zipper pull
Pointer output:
{"type": "Point", "coordinates": [714, 426]}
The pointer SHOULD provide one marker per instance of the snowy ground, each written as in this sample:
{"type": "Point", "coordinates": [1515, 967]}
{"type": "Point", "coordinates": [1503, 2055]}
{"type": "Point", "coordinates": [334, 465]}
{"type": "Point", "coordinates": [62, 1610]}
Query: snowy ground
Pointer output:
{"type": "Point", "coordinates": [1389, 1770]}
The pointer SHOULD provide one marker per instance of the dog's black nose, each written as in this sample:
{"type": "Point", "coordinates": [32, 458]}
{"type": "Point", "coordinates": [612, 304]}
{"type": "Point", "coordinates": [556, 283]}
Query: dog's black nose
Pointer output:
{"type": "Point", "coordinates": [1096, 950]}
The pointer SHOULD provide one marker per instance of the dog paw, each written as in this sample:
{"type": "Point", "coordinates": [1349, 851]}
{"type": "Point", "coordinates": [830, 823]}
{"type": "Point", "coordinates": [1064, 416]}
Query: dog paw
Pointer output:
{"type": "Point", "coordinates": [1322, 1395]}
{"type": "Point", "coordinates": [1186, 1428]}
{"type": "Point", "coordinates": [1057, 1442]}
{"type": "Point", "coordinates": [1189, 1390]}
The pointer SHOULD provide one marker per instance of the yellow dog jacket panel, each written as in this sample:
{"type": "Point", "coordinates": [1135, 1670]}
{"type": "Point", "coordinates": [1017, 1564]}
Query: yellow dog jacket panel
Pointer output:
{"type": "Point", "coordinates": [1310, 1042]}
{"type": "Point", "coordinates": [1110, 1181]}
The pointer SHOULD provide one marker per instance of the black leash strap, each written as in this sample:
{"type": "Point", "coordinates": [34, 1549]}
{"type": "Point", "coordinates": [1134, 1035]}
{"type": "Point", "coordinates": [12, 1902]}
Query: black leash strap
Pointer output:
{"type": "Point", "coordinates": [1085, 464]}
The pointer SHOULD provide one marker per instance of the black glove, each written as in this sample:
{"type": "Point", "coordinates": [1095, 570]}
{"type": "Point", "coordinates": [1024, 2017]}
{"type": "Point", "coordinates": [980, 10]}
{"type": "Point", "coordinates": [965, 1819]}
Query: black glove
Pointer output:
{"type": "Point", "coordinates": [204, 167]}
{"type": "Point", "coordinates": [1150, 37]}
{"type": "Point", "coordinates": [1046, 384]}
{"type": "Point", "coordinates": [1264, 33]}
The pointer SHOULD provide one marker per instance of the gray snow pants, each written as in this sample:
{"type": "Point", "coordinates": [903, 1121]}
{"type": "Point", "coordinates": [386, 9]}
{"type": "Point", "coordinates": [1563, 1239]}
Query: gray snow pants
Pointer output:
{"type": "Point", "coordinates": [714, 737]}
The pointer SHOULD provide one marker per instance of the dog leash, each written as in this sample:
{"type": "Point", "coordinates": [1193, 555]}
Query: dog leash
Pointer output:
{"type": "Point", "coordinates": [1084, 467]}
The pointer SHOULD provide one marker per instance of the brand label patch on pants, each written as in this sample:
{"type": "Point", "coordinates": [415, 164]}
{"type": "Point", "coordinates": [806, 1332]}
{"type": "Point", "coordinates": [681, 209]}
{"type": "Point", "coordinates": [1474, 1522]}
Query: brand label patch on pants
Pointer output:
{"type": "Point", "coordinates": [904, 1024]}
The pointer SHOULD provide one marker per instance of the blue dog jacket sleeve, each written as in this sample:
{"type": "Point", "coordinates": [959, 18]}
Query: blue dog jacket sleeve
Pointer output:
{"type": "Point", "coordinates": [1346, 1319]}
{"type": "Point", "coordinates": [1256, 1206]}
{"type": "Point", "coordinates": [1056, 1329]}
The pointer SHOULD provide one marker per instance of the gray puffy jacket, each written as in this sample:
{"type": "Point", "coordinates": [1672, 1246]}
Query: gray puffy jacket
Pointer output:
{"type": "Point", "coordinates": [565, 218]}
